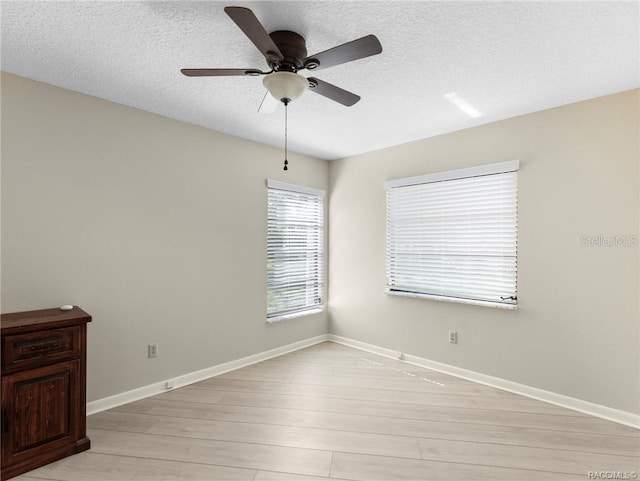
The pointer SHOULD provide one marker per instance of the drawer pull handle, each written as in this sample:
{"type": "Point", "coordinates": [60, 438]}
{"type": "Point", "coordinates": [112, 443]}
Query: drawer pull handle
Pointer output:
{"type": "Point", "coordinates": [42, 347]}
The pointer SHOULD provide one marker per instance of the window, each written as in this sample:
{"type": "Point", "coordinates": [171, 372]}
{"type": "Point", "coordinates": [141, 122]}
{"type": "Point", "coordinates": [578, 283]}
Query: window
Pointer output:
{"type": "Point", "coordinates": [453, 235]}
{"type": "Point", "coordinates": [295, 252]}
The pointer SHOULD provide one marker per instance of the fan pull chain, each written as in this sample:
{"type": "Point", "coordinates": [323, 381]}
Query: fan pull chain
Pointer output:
{"type": "Point", "coordinates": [286, 162]}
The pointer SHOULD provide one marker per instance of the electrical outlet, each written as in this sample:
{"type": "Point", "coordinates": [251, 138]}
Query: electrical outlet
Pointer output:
{"type": "Point", "coordinates": [152, 350]}
{"type": "Point", "coordinates": [453, 337]}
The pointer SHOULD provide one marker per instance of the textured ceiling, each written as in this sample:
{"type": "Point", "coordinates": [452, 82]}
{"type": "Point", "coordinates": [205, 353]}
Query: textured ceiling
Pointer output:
{"type": "Point", "coordinates": [502, 58]}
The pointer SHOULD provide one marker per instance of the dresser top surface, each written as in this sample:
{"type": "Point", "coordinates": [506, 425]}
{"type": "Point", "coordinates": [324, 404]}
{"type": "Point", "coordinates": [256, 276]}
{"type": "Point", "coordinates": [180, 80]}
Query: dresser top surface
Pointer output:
{"type": "Point", "coordinates": [42, 319]}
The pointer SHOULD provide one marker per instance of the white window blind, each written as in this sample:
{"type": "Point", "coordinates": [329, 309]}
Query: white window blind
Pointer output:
{"type": "Point", "coordinates": [453, 235]}
{"type": "Point", "coordinates": [295, 252]}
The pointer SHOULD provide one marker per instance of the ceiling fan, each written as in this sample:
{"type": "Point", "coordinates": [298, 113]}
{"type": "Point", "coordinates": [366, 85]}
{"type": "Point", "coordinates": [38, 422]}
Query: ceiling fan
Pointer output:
{"type": "Point", "coordinates": [286, 54]}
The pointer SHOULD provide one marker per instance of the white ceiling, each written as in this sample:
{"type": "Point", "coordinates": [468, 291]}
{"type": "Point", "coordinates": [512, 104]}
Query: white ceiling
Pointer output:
{"type": "Point", "coordinates": [503, 58]}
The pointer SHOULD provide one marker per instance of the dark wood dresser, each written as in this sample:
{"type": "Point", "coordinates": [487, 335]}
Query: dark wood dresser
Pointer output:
{"type": "Point", "coordinates": [44, 356]}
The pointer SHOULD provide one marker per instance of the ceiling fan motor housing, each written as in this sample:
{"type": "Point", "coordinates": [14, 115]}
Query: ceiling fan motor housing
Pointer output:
{"type": "Point", "coordinates": [293, 48]}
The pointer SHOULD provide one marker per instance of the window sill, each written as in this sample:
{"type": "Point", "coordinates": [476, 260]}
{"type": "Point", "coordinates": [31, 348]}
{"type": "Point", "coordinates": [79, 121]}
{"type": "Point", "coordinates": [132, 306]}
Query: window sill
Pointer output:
{"type": "Point", "coordinates": [473, 302]}
{"type": "Point", "coordinates": [284, 317]}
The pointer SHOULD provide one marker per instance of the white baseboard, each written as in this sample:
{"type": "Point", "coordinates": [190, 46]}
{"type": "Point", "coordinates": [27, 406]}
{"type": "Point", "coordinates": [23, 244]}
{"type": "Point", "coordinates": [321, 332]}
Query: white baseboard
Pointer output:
{"type": "Point", "coordinates": [116, 400]}
{"type": "Point", "coordinates": [585, 407]}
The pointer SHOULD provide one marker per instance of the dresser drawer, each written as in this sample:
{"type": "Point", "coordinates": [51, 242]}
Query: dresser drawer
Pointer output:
{"type": "Point", "coordinates": [40, 348]}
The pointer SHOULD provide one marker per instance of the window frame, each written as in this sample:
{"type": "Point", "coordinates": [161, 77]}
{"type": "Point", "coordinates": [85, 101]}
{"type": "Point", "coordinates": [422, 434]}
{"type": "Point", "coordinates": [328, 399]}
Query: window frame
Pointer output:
{"type": "Point", "coordinates": [441, 177]}
{"type": "Point", "coordinates": [317, 241]}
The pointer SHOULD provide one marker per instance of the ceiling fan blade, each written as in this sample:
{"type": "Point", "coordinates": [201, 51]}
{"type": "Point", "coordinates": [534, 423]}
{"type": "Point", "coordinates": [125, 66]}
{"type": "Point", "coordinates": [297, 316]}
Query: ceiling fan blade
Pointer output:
{"type": "Point", "coordinates": [347, 52]}
{"type": "Point", "coordinates": [269, 104]}
{"type": "Point", "coordinates": [252, 28]}
{"type": "Point", "coordinates": [220, 72]}
{"type": "Point", "coordinates": [332, 92]}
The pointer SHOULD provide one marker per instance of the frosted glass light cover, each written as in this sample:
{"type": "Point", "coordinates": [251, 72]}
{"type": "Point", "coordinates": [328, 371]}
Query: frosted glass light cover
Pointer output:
{"type": "Point", "coordinates": [285, 85]}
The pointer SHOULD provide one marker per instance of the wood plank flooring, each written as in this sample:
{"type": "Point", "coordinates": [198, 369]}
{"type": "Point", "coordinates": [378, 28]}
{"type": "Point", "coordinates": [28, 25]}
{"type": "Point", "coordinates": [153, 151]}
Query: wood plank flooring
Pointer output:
{"type": "Point", "coordinates": [332, 412]}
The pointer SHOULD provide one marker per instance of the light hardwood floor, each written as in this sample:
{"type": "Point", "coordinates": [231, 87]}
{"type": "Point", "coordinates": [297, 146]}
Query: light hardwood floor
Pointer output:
{"type": "Point", "coordinates": [332, 412]}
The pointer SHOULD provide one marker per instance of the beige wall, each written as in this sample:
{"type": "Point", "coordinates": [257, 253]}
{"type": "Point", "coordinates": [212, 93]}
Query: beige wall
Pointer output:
{"type": "Point", "coordinates": [155, 227]}
{"type": "Point", "coordinates": [578, 326]}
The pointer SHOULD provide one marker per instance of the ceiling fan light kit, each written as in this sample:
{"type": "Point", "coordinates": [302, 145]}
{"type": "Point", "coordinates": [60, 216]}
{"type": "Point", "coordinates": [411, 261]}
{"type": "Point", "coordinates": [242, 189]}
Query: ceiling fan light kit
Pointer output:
{"type": "Point", "coordinates": [286, 53]}
{"type": "Point", "coordinates": [285, 85]}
